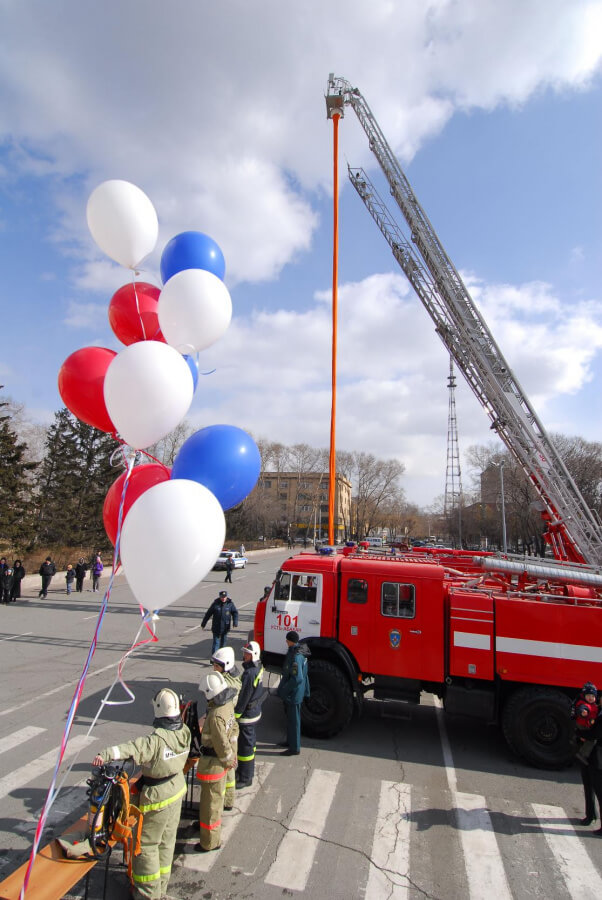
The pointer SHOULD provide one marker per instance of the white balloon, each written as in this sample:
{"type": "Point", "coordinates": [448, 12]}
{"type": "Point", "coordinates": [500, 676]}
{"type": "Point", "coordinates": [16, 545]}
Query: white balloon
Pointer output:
{"type": "Point", "coordinates": [170, 540]}
{"type": "Point", "coordinates": [194, 309]}
{"type": "Point", "coordinates": [148, 390]}
{"type": "Point", "coordinates": [122, 221]}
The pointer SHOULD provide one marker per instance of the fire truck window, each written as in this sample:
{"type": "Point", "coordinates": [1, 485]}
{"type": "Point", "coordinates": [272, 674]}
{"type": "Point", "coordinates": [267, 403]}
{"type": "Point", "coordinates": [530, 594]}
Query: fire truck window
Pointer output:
{"type": "Point", "coordinates": [283, 587]}
{"type": "Point", "coordinates": [304, 588]}
{"type": "Point", "coordinates": [398, 600]}
{"type": "Point", "coordinates": [357, 590]}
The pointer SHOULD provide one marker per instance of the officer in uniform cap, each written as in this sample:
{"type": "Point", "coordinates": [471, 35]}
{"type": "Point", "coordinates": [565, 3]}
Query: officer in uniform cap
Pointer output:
{"type": "Point", "coordinates": [292, 690]}
{"type": "Point", "coordinates": [221, 612]}
{"type": "Point", "coordinates": [162, 756]}
{"type": "Point", "coordinates": [218, 749]}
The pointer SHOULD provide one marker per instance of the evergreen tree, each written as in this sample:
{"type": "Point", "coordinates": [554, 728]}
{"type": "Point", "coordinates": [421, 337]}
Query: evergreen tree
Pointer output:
{"type": "Point", "coordinates": [16, 506]}
{"type": "Point", "coordinates": [75, 476]}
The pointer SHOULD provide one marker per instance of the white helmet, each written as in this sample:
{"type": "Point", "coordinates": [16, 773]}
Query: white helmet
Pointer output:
{"type": "Point", "coordinates": [213, 684]}
{"type": "Point", "coordinates": [254, 649]}
{"type": "Point", "coordinates": [166, 703]}
{"type": "Point", "coordinates": [224, 657]}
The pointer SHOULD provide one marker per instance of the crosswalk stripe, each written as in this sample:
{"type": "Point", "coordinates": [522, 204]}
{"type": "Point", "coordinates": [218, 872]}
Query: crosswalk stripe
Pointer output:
{"type": "Point", "coordinates": [19, 737]}
{"type": "Point", "coordinates": [580, 875]}
{"type": "Point", "coordinates": [301, 841]}
{"type": "Point", "coordinates": [484, 867]}
{"type": "Point", "coordinates": [203, 862]}
{"type": "Point", "coordinates": [40, 765]}
{"type": "Point", "coordinates": [389, 869]}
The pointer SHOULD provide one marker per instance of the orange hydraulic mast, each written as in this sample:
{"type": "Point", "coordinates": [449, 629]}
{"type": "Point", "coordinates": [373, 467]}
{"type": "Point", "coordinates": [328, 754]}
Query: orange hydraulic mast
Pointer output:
{"type": "Point", "coordinates": [334, 112]}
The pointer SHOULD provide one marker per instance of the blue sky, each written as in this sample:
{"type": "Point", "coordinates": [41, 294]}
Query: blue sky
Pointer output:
{"type": "Point", "coordinates": [494, 111]}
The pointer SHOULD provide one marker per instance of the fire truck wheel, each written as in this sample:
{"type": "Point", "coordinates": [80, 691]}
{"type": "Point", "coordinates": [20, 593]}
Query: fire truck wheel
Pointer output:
{"type": "Point", "coordinates": [537, 726]}
{"type": "Point", "coordinates": [329, 707]}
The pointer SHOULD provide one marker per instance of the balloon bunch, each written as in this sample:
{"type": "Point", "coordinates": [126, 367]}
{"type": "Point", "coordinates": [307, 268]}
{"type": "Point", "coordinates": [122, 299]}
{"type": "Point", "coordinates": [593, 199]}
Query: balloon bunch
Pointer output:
{"type": "Point", "coordinates": [173, 524]}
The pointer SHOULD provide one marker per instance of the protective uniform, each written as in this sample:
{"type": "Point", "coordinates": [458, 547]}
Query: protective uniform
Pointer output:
{"type": "Point", "coordinates": [224, 658]}
{"type": "Point", "coordinates": [248, 713]}
{"type": "Point", "coordinates": [218, 744]}
{"type": "Point", "coordinates": [161, 756]}
{"type": "Point", "coordinates": [293, 688]}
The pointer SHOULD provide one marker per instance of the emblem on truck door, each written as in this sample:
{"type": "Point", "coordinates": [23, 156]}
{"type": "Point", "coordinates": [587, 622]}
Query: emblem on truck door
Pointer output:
{"type": "Point", "coordinates": [395, 639]}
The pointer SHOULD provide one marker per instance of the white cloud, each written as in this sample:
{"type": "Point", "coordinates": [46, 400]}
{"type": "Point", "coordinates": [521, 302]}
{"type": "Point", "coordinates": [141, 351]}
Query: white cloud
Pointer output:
{"type": "Point", "coordinates": [227, 133]}
{"type": "Point", "coordinates": [393, 395]}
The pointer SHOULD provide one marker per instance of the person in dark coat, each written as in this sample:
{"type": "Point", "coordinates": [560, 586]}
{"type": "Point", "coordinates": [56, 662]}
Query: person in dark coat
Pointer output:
{"type": "Point", "coordinates": [229, 567]}
{"type": "Point", "coordinates": [6, 584]}
{"type": "Point", "coordinates": [47, 570]}
{"type": "Point", "coordinates": [80, 573]}
{"type": "Point", "coordinates": [3, 564]}
{"type": "Point", "coordinates": [293, 689]}
{"type": "Point", "coordinates": [18, 576]}
{"type": "Point", "coordinates": [248, 712]}
{"type": "Point", "coordinates": [590, 769]}
{"type": "Point", "coordinates": [222, 613]}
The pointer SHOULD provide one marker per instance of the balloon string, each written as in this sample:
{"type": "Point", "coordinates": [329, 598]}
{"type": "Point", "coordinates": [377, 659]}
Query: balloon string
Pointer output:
{"type": "Point", "coordinates": [52, 790]}
{"type": "Point", "coordinates": [138, 306]}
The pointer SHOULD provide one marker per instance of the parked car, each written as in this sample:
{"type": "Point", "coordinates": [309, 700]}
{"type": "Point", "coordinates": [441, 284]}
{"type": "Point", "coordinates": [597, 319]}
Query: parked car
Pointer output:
{"type": "Point", "coordinates": [238, 559]}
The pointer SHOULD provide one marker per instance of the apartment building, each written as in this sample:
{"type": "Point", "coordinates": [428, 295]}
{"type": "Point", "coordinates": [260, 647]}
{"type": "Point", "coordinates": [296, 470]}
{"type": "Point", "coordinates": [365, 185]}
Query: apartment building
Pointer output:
{"type": "Point", "coordinates": [298, 503]}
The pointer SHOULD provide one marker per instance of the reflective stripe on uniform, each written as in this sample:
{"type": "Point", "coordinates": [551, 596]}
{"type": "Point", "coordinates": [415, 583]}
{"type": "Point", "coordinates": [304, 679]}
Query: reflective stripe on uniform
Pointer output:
{"type": "Point", "coordinates": [162, 803]}
{"type": "Point", "coordinates": [165, 870]}
{"type": "Point", "coordinates": [246, 758]}
{"type": "Point", "coordinates": [144, 878]}
{"type": "Point", "coordinates": [247, 721]}
{"type": "Point", "coordinates": [210, 827]}
{"type": "Point", "coordinates": [210, 776]}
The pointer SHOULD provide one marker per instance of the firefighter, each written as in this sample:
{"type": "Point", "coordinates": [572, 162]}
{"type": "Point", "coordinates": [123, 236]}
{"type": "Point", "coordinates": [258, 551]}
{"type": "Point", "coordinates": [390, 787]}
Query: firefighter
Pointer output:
{"type": "Point", "coordinates": [292, 690]}
{"type": "Point", "coordinates": [248, 712]}
{"type": "Point", "coordinates": [161, 756]}
{"type": "Point", "coordinates": [218, 756]}
{"type": "Point", "coordinates": [223, 661]}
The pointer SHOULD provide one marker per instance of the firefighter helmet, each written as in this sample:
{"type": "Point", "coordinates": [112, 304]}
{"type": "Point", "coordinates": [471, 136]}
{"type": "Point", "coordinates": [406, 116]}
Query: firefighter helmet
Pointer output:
{"type": "Point", "coordinates": [213, 684]}
{"type": "Point", "coordinates": [589, 688]}
{"type": "Point", "coordinates": [254, 649]}
{"type": "Point", "coordinates": [166, 703]}
{"type": "Point", "coordinates": [224, 657]}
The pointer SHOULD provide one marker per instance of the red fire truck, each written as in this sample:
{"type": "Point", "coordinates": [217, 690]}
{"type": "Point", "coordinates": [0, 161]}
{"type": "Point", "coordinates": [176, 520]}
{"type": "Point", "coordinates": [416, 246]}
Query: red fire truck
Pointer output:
{"type": "Point", "coordinates": [503, 641]}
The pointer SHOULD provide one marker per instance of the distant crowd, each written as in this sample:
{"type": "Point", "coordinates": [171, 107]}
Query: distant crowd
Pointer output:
{"type": "Point", "coordinates": [12, 576]}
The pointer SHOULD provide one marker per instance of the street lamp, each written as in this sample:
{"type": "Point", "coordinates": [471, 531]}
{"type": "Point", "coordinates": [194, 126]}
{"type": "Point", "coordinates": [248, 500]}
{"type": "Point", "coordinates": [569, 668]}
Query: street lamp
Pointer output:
{"type": "Point", "coordinates": [500, 466]}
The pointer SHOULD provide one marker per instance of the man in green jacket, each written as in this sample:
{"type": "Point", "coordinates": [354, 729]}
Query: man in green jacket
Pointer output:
{"type": "Point", "coordinates": [161, 756]}
{"type": "Point", "coordinates": [293, 689]}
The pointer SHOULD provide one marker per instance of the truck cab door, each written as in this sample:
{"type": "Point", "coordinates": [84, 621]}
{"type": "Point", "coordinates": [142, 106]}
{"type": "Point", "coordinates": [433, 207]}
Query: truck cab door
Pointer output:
{"type": "Point", "coordinates": [296, 605]}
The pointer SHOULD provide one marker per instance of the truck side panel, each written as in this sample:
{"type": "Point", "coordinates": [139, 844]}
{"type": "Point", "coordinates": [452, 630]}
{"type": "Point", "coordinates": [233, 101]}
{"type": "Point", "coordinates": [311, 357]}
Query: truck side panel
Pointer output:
{"type": "Point", "coordinates": [471, 635]}
{"type": "Point", "coordinates": [391, 617]}
{"type": "Point", "coordinates": [548, 643]}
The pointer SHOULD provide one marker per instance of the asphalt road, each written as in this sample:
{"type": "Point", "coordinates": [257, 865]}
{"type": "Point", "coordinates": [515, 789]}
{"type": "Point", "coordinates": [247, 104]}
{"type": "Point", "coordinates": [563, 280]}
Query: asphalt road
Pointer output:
{"type": "Point", "coordinates": [406, 803]}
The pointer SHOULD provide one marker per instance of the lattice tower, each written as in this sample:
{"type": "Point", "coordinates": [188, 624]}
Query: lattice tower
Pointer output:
{"type": "Point", "coordinates": [453, 474]}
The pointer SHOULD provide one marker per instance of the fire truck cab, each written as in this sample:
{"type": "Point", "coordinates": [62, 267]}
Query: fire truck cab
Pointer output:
{"type": "Point", "coordinates": [504, 648]}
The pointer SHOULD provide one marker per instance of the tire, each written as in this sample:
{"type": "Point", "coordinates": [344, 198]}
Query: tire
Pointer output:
{"type": "Point", "coordinates": [329, 707]}
{"type": "Point", "coordinates": [537, 726]}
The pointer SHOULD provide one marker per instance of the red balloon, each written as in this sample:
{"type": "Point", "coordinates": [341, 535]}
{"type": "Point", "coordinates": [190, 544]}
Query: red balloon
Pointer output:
{"type": "Point", "coordinates": [81, 382]}
{"type": "Point", "coordinates": [141, 479]}
{"type": "Point", "coordinates": [133, 313]}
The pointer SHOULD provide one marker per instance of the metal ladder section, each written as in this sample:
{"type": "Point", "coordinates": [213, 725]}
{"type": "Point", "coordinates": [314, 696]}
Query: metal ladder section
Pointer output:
{"type": "Point", "coordinates": [459, 324]}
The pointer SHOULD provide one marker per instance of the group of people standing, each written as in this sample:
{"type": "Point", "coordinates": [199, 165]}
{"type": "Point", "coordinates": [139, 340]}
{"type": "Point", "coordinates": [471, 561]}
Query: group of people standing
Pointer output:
{"type": "Point", "coordinates": [10, 580]}
{"type": "Point", "coordinates": [225, 747]}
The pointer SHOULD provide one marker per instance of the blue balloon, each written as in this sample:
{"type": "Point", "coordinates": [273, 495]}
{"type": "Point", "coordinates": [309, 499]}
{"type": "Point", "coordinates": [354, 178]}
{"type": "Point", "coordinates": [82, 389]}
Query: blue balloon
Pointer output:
{"type": "Point", "coordinates": [192, 250]}
{"type": "Point", "coordinates": [194, 370]}
{"type": "Point", "coordinates": [224, 459]}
